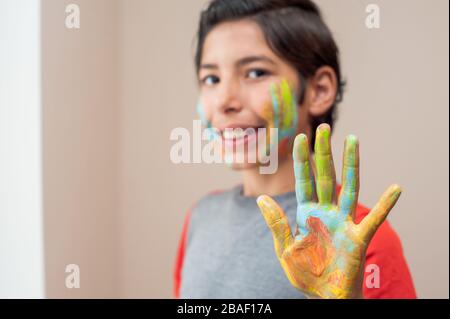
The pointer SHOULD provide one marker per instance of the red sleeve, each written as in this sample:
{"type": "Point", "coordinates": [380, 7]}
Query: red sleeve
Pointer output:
{"type": "Point", "coordinates": [181, 250]}
{"type": "Point", "coordinates": [386, 252]}
{"type": "Point", "coordinates": [180, 256]}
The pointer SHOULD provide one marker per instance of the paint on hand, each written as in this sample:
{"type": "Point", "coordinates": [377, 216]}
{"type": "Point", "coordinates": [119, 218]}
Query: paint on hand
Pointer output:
{"type": "Point", "coordinates": [326, 257]}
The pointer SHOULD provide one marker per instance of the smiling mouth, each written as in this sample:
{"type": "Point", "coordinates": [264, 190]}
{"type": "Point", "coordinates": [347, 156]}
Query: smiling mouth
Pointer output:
{"type": "Point", "coordinates": [232, 136]}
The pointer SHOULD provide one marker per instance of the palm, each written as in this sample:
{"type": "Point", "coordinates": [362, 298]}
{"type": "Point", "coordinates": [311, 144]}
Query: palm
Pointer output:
{"type": "Point", "coordinates": [317, 253]}
{"type": "Point", "coordinates": [326, 256]}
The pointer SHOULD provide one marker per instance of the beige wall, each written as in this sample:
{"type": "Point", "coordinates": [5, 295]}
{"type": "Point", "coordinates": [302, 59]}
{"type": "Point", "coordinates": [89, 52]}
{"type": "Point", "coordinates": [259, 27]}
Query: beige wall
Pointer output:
{"type": "Point", "coordinates": [157, 94]}
{"type": "Point", "coordinates": [80, 134]}
{"type": "Point", "coordinates": [113, 91]}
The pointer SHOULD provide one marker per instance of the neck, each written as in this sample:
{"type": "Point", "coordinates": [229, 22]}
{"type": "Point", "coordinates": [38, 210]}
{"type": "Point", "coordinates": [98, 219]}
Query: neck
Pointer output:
{"type": "Point", "coordinates": [281, 182]}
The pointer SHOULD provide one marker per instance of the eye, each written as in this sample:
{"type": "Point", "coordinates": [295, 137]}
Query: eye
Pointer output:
{"type": "Point", "coordinates": [210, 80]}
{"type": "Point", "coordinates": [256, 73]}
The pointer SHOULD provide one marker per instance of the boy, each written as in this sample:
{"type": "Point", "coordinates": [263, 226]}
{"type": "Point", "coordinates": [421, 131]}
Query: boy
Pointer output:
{"type": "Point", "coordinates": [274, 65]}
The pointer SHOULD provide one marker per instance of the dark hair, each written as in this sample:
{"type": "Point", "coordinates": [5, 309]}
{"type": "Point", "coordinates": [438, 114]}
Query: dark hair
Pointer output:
{"type": "Point", "coordinates": [293, 29]}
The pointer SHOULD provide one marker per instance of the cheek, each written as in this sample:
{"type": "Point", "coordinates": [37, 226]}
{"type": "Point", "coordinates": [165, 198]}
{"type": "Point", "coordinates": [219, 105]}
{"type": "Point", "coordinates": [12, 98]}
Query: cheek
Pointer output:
{"type": "Point", "coordinates": [285, 112]}
{"type": "Point", "coordinates": [205, 107]}
{"type": "Point", "coordinates": [265, 111]}
{"type": "Point", "coordinates": [280, 111]}
{"type": "Point", "coordinates": [261, 104]}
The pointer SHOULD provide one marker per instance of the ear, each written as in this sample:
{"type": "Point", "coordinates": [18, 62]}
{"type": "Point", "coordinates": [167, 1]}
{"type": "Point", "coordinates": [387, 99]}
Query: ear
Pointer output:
{"type": "Point", "coordinates": [321, 91]}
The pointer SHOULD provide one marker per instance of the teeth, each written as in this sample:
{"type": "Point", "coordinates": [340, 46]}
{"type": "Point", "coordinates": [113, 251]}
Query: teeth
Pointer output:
{"type": "Point", "coordinates": [236, 133]}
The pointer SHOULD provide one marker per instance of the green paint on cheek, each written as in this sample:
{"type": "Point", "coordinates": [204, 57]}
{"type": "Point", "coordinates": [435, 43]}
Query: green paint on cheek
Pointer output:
{"type": "Point", "coordinates": [289, 107]}
{"type": "Point", "coordinates": [284, 110]}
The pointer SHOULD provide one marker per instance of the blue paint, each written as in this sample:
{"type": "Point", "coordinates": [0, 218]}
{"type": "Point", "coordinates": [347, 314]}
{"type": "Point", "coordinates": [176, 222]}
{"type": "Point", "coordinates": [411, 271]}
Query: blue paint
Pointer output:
{"type": "Point", "coordinates": [347, 196]}
{"type": "Point", "coordinates": [303, 188]}
{"type": "Point", "coordinates": [275, 106]}
{"type": "Point", "coordinates": [290, 131]}
{"type": "Point", "coordinates": [331, 218]}
{"type": "Point", "coordinates": [212, 132]}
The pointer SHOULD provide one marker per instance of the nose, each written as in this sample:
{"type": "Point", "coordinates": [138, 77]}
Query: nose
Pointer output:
{"type": "Point", "coordinates": [228, 97]}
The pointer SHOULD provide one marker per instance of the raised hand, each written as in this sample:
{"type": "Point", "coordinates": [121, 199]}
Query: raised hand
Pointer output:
{"type": "Point", "coordinates": [326, 257]}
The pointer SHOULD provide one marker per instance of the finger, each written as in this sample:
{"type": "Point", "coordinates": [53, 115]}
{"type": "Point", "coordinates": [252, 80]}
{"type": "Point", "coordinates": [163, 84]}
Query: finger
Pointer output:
{"type": "Point", "coordinates": [304, 186]}
{"type": "Point", "coordinates": [369, 225]}
{"type": "Point", "coordinates": [277, 222]}
{"type": "Point", "coordinates": [326, 175]}
{"type": "Point", "coordinates": [348, 197]}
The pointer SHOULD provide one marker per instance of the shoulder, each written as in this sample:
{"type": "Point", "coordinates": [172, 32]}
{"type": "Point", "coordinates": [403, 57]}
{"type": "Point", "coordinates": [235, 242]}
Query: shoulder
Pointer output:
{"type": "Point", "coordinates": [212, 198]}
{"type": "Point", "coordinates": [186, 233]}
{"type": "Point", "coordinates": [209, 206]}
{"type": "Point", "coordinates": [208, 202]}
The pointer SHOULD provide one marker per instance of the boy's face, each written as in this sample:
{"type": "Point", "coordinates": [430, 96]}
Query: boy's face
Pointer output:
{"type": "Point", "coordinates": [243, 84]}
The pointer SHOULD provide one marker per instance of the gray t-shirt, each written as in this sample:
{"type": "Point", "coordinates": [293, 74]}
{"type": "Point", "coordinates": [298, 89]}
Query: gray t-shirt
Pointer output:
{"type": "Point", "coordinates": [230, 252]}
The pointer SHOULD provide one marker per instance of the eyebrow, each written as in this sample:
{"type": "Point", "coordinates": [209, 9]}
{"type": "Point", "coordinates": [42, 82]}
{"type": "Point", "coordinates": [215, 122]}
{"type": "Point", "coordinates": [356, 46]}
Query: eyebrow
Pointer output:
{"type": "Point", "coordinates": [241, 62]}
{"type": "Point", "coordinates": [255, 58]}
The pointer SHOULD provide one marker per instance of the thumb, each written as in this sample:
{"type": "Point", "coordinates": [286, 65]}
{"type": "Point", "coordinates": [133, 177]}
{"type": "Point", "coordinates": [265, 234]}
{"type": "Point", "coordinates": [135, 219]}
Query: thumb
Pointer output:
{"type": "Point", "coordinates": [277, 222]}
{"type": "Point", "coordinates": [369, 225]}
